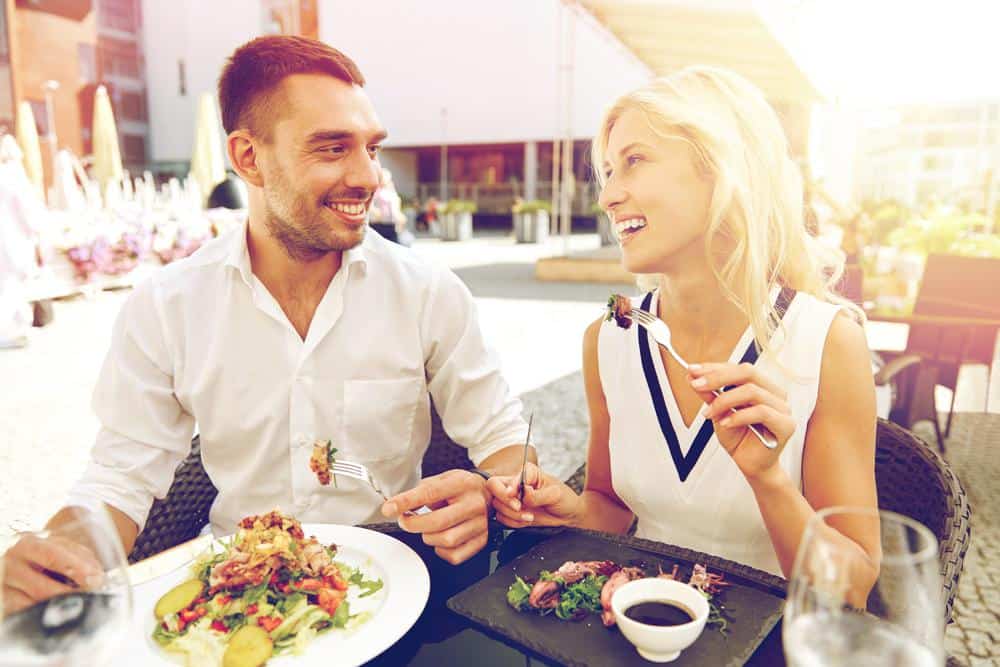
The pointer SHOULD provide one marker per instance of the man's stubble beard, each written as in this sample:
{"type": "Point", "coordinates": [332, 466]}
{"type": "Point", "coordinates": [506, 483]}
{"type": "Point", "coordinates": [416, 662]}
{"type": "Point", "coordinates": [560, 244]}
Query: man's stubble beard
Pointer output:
{"type": "Point", "coordinates": [301, 232]}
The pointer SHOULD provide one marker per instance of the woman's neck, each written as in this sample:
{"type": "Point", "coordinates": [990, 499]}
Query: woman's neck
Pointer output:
{"type": "Point", "coordinates": [702, 320]}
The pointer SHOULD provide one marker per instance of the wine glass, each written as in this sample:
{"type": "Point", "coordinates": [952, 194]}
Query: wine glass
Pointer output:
{"type": "Point", "coordinates": [902, 620]}
{"type": "Point", "coordinates": [84, 623]}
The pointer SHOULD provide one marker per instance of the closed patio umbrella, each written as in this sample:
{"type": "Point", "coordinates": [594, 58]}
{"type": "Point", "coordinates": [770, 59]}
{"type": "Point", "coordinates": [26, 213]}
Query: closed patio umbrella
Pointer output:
{"type": "Point", "coordinates": [208, 167]}
{"type": "Point", "coordinates": [107, 155]}
{"type": "Point", "coordinates": [27, 139]}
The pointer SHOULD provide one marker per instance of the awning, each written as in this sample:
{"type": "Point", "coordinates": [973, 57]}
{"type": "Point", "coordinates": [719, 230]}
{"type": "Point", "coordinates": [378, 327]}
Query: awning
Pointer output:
{"type": "Point", "coordinates": [668, 35]}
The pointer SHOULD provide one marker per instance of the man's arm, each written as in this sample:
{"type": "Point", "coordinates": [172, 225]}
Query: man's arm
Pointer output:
{"type": "Point", "coordinates": [145, 434]}
{"type": "Point", "coordinates": [477, 410]}
{"type": "Point", "coordinates": [125, 528]}
{"type": "Point", "coordinates": [507, 461]}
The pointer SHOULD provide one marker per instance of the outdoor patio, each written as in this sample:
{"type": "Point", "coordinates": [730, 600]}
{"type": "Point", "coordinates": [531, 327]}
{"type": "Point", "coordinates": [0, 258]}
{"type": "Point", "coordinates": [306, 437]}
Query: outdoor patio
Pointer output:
{"type": "Point", "coordinates": [49, 416]}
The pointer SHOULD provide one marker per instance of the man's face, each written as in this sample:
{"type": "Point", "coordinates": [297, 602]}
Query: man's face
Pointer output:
{"type": "Point", "coordinates": [321, 167]}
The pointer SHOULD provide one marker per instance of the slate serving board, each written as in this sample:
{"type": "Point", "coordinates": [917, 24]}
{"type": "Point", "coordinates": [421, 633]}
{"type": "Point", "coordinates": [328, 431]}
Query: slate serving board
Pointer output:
{"type": "Point", "coordinates": [754, 604]}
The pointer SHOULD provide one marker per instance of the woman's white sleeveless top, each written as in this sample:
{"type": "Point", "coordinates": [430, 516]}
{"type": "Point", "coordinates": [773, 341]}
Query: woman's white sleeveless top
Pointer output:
{"type": "Point", "coordinates": [681, 484]}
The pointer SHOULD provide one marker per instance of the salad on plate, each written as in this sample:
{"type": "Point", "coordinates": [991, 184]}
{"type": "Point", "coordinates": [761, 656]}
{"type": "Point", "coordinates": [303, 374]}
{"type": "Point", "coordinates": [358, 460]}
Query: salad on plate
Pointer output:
{"type": "Point", "coordinates": [269, 591]}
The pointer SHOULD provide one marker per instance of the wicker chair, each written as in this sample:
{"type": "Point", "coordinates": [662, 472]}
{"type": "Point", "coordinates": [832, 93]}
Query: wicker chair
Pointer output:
{"type": "Point", "coordinates": [913, 480]}
{"type": "Point", "coordinates": [182, 514]}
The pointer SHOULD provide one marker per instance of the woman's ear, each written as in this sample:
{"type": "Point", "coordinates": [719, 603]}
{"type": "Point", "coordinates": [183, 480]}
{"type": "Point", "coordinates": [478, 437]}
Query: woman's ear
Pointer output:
{"type": "Point", "coordinates": [243, 155]}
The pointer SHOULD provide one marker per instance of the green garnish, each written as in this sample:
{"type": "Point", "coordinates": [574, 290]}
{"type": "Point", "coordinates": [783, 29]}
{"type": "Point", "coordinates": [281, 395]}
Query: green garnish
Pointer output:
{"type": "Point", "coordinates": [583, 596]}
{"type": "Point", "coordinates": [518, 593]}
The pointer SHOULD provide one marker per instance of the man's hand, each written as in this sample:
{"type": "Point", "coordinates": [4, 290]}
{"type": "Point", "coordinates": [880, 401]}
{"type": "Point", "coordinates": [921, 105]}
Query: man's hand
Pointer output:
{"type": "Point", "coordinates": [37, 568]}
{"type": "Point", "coordinates": [457, 526]}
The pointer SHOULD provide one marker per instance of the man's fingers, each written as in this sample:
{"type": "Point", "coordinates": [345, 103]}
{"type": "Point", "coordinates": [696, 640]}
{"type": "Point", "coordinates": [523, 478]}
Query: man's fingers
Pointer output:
{"type": "Point", "coordinates": [65, 557]}
{"type": "Point", "coordinates": [458, 535]}
{"type": "Point", "coordinates": [468, 507]}
{"type": "Point", "coordinates": [431, 491]}
{"type": "Point", "coordinates": [14, 600]}
{"type": "Point", "coordinates": [25, 578]}
{"type": "Point", "coordinates": [464, 552]}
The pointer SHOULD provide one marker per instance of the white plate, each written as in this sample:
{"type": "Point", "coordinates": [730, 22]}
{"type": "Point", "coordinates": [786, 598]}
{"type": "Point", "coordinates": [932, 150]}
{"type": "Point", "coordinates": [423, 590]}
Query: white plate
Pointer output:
{"type": "Point", "coordinates": [396, 607]}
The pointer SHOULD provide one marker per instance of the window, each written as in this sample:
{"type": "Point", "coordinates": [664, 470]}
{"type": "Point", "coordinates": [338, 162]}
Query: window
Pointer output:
{"type": "Point", "coordinates": [118, 15]}
{"type": "Point", "coordinates": [116, 63]}
{"type": "Point", "coordinates": [134, 148]}
{"type": "Point", "coordinates": [133, 106]}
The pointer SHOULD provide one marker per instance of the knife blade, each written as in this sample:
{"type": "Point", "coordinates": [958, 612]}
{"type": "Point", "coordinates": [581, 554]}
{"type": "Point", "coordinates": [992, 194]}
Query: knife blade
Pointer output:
{"type": "Point", "coordinates": [524, 459]}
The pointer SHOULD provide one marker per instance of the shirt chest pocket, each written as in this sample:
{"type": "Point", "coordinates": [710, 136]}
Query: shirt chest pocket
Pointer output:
{"type": "Point", "coordinates": [379, 416]}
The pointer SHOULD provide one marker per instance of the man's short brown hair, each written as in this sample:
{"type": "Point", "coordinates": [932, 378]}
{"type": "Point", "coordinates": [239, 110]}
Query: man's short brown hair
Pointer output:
{"type": "Point", "coordinates": [255, 69]}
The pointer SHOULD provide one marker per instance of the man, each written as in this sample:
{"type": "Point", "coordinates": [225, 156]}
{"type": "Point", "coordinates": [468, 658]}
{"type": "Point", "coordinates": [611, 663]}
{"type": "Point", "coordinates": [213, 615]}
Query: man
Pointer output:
{"type": "Point", "coordinates": [300, 327]}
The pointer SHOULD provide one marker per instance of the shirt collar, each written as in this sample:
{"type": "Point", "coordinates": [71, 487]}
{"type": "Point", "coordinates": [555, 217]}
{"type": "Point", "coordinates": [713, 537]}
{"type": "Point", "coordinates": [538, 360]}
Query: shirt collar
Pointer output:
{"type": "Point", "coordinates": [239, 254]}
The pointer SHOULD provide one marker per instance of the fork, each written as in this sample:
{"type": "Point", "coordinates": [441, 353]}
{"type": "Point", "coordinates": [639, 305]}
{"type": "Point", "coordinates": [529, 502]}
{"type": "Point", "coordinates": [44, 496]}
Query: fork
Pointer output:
{"type": "Point", "coordinates": [361, 472]}
{"type": "Point", "coordinates": [661, 334]}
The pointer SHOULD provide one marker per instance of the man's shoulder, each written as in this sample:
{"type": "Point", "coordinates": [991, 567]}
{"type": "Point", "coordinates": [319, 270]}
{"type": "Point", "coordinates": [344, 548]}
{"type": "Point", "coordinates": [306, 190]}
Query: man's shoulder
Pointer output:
{"type": "Point", "coordinates": [195, 271]}
{"type": "Point", "coordinates": [398, 262]}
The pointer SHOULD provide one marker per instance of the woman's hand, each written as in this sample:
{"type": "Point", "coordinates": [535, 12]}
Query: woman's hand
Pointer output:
{"type": "Point", "coordinates": [547, 500]}
{"type": "Point", "coordinates": [757, 400]}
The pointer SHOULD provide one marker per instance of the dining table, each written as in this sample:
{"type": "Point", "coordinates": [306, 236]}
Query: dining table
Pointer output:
{"type": "Point", "coordinates": [443, 637]}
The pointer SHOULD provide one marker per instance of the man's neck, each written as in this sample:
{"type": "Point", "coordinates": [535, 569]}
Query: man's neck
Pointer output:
{"type": "Point", "coordinates": [298, 286]}
{"type": "Point", "coordinates": [281, 273]}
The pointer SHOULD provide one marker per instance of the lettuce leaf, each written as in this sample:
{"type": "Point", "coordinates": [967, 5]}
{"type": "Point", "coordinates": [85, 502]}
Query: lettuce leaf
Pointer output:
{"type": "Point", "coordinates": [583, 596]}
{"type": "Point", "coordinates": [518, 593]}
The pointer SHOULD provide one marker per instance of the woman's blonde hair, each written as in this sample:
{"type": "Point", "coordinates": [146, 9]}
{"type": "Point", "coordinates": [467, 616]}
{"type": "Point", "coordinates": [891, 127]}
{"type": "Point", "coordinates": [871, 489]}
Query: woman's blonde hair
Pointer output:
{"type": "Point", "coordinates": [756, 237]}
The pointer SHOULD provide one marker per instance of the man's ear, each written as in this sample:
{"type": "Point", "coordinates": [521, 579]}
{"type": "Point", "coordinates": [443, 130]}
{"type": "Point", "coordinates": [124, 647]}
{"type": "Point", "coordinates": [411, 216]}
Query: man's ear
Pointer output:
{"type": "Point", "coordinates": [242, 149]}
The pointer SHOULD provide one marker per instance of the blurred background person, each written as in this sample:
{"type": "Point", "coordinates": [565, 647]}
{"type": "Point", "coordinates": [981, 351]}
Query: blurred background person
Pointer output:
{"type": "Point", "coordinates": [387, 217]}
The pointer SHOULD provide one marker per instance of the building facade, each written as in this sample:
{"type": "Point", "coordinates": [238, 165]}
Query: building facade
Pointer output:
{"type": "Point", "coordinates": [916, 154]}
{"type": "Point", "coordinates": [54, 54]}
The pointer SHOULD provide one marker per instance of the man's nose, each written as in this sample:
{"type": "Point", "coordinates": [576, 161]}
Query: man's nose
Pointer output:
{"type": "Point", "coordinates": [365, 173]}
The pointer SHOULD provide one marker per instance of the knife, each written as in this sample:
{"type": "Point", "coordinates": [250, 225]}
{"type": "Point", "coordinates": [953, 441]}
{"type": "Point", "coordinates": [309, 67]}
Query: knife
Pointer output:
{"type": "Point", "coordinates": [524, 460]}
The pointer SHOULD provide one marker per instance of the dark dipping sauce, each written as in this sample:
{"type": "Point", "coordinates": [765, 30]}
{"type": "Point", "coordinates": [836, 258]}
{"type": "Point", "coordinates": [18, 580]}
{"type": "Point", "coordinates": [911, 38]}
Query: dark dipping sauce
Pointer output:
{"type": "Point", "coordinates": [659, 613]}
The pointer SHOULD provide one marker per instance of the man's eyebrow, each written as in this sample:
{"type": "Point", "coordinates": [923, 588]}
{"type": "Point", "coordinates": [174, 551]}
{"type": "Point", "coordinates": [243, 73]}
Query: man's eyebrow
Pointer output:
{"type": "Point", "coordinates": [342, 135]}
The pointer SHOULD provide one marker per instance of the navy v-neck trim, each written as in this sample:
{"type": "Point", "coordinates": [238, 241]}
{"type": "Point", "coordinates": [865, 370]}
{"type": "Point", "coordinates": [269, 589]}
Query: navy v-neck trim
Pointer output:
{"type": "Point", "coordinates": [686, 463]}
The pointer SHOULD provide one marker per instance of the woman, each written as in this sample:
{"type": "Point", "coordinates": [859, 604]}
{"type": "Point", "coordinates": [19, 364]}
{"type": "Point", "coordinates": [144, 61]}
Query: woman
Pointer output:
{"type": "Point", "coordinates": [708, 209]}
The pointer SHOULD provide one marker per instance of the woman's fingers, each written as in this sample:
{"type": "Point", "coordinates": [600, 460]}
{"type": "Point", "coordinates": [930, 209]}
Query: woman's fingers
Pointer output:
{"type": "Point", "coordinates": [511, 517]}
{"type": "Point", "coordinates": [781, 425]}
{"type": "Point", "coordinates": [742, 397]}
{"type": "Point", "coordinates": [709, 377]}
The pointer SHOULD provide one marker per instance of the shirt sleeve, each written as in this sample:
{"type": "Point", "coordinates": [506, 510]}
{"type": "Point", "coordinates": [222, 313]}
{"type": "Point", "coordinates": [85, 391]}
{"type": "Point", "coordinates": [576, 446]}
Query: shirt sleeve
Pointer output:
{"type": "Point", "coordinates": [477, 408]}
{"type": "Point", "coordinates": [145, 432]}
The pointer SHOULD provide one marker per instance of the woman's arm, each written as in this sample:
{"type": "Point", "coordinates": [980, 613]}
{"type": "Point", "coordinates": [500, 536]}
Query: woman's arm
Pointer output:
{"type": "Point", "coordinates": [601, 509]}
{"type": "Point", "coordinates": [838, 462]}
{"type": "Point", "coordinates": [549, 501]}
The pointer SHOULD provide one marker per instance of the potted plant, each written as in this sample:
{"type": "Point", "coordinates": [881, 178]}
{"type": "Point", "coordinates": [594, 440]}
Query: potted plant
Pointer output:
{"type": "Point", "coordinates": [456, 219]}
{"type": "Point", "coordinates": [531, 220]}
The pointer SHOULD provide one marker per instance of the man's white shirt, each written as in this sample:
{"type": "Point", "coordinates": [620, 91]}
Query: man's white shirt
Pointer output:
{"type": "Point", "coordinates": [204, 345]}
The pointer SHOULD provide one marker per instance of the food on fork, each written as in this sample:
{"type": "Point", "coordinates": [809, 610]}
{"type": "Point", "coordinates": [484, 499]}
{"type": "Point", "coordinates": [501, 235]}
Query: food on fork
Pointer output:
{"type": "Point", "coordinates": [579, 588]}
{"type": "Point", "coordinates": [619, 308]}
{"type": "Point", "coordinates": [322, 460]}
{"type": "Point", "coordinates": [270, 591]}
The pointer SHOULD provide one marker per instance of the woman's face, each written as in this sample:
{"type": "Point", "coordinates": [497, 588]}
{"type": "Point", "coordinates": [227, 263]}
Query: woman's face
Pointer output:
{"type": "Point", "coordinates": [656, 196]}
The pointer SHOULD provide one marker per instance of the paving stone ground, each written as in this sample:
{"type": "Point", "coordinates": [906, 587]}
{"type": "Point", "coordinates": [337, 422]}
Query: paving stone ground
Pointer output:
{"type": "Point", "coordinates": [974, 638]}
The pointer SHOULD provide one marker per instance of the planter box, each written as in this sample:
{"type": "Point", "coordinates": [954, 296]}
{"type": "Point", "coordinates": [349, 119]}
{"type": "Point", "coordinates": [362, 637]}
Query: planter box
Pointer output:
{"type": "Point", "coordinates": [456, 227]}
{"type": "Point", "coordinates": [531, 227]}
